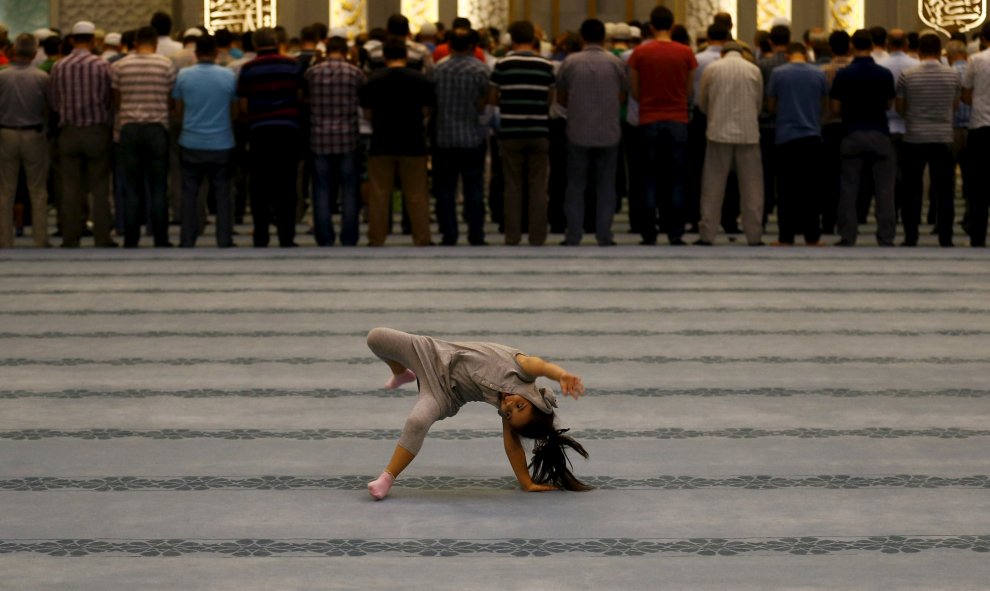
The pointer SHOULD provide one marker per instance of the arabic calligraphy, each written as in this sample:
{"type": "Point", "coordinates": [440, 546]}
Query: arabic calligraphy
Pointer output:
{"type": "Point", "coordinates": [240, 15]}
{"type": "Point", "coordinates": [950, 16]}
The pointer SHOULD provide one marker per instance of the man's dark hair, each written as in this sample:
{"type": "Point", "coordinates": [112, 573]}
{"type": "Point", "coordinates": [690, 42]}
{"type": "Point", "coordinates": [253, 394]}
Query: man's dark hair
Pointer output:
{"type": "Point", "coordinates": [522, 33]}
{"type": "Point", "coordinates": [52, 45]}
{"type": "Point", "coordinates": [793, 48]}
{"type": "Point", "coordinates": [162, 23]}
{"type": "Point", "coordinates": [862, 40]}
{"type": "Point", "coordinates": [897, 42]}
{"type": "Point", "coordinates": [394, 49]}
{"type": "Point", "coordinates": [398, 25]}
{"type": "Point", "coordinates": [718, 32]}
{"type": "Point", "coordinates": [337, 45]}
{"type": "Point", "coordinates": [912, 40]}
{"type": "Point", "coordinates": [25, 46]}
{"type": "Point", "coordinates": [281, 35]}
{"type": "Point", "coordinates": [206, 45]}
{"type": "Point", "coordinates": [265, 38]}
{"type": "Point", "coordinates": [127, 38]}
{"type": "Point", "coordinates": [878, 36]}
{"type": "Point", "coordinates": [679, 34]}
{"type": "Point", "coordinates": [224, 38]}
{"type": "Point", "coordinates": [462, 39]}
{"type": "Point", "coordinates": [146, 36]}
{"type": "Point", "coordinates": [247, 41]}
{"type": "Point", "coordinates": [930, 46]}
{"type": "Point", "coordinates": [378, 34]}
{"type": "Point", "coordinates": [839, 42]}
{"type": "Point", "coordinates": [724, 19]}
{"type": "Point", "coordinates": [321, 30]}
{"type": "Point", "coordinates": [661, 19]}
{"type": "Point", "coordinates": [309, 35]}
{"type": "Point", "coordinates": [780, 35]}
{"type": "Point", "coordinates": [593, 31]}
{"type": "Point", "coordinates": [460, 23]}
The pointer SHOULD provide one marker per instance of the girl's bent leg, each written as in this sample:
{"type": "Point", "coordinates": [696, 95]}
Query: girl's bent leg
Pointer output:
{"type": "Point", "coordinates": [423, 415]}
{"type": "Point", "coordinates": [395, 348]}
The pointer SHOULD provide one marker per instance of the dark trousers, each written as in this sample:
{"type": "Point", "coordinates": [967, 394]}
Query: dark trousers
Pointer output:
{"type": "Point", "coordinates": [581, 163]}
{"type": "Point", "coordinates": [144, 160]}
{"type": "Point", "coordinates": [768, 138]}
{"type": "Point", "coordinates": [557, 189]}
{"type": "Point", "coordinates": [215, 167]}
{"type": "Point", "coordinates": [938, 158]}
{"type": "Point", "coordinates": [525, 164]}
{"type": "Point", "coordinates": [335, 173]}
{"type": "Point", "coordinates": [468, 164]}
{"type": "Point", "coordinates": [799, 189]}
{"type": "Point", "coordinates": [872, 152]}
{"type": "Point", "coordinates": [274, 158]}
{"type": "Point", "coordinates": [832, 135]}
{"type": "Point", "coordinates": [664, 145]}
{"type": "Point", "coordinates": [85, 163]}
{"type": "Point", "coordinates": [979, 153]}
{"type": "Point", "coordinates": [697, 144]}
{"type": "Point", "coordinates": [634, 163]}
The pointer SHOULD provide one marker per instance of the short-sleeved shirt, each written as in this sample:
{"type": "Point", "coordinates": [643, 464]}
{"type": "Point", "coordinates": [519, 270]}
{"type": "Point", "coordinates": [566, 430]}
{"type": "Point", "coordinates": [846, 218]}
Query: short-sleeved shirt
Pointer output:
{"type": "Point", "coordinates": [524, 80]}
{"type": "Point", "coordinates": [897, 62]}
{"type": "Point", "coordinates": [206, 92]}
{"type": "Point", "coordinates": [418, 57]}
{"type": "Point", "coordinates": [271, 83]}
{"type": "Point", "coordinates": [977, 79]}
{"type": "Point", "coordinates": [461, 86]}
{"type": "Point", "coordinates": [864, 89]}
{"type": "Point", "coordinates": [663, 68]}
{"type": "Point", "coordinates": [960, 119]}
{"type": "Point", "coordinates": [396, 97]}
{"type": "Point", "coordinates": [333, 106]}
{"type": "Point", "coordinates": [799, 89]}
{"type": "Point", "coordinates": [594, 80]}
{"type": "Point", "coordinates": [23, 96]}
{"type": "Point", "coordinates": [80, 89]}
{"type": "Point", "coordinates": [930, 90]}
{"type": "Point", "coordinates": [144, 82]}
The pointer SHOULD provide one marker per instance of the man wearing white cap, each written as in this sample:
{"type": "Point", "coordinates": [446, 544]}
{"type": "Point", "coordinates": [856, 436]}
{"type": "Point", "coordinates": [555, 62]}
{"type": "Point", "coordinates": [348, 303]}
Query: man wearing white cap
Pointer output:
{"type": "Point", "coordinates": [187, 56]}
{"type": "Point", "coordinates": [111, 46]}
{"type": "Point", "coordinates": [80, 93]}
{"type": "Point", "coordinates": [41, 35]}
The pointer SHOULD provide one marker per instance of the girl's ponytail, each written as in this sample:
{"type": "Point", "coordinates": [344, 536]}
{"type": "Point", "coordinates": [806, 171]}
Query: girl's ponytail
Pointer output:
{"type": "Point", "coordinates": [550, 462]}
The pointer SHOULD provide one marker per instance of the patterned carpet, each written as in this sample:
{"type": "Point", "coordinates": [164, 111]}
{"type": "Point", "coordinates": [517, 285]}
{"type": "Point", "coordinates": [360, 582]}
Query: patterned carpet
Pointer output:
{"type": "Point", "coordinates": [756, 418]}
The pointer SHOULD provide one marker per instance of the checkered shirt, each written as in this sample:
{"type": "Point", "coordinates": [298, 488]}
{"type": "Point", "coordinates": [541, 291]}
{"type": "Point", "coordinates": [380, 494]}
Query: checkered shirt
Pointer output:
{"type": "Point", "coordinates": [80, 86]}
{"type": "Point", "coordinates": [461, 84]}
{"type": "Point", "coordinates": [333, 91]}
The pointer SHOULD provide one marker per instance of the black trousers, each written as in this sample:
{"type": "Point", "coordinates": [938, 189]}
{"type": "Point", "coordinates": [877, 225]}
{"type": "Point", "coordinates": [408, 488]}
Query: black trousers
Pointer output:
{"type": "Point", "coordinates": [941, 166]}
{"type": "Point", "coordinates": [274, 159]}
{"type": "Point", "coordinates": [799, 189]}
{"type": "Point", "coordinates": [979, 152]}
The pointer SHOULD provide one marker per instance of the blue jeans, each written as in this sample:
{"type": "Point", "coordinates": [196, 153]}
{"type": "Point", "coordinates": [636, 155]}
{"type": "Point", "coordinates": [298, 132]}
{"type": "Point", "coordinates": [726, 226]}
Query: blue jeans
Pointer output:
{"type": "Point", "coordinates": [664, 145]}
{"type": "Point", "coordinates": [333, 172]}
{"type": "Point", "coordinates": [469, 165]}
{"type": "Point", "coordinates": [143, 158]}
{"type": "Point", "coordinates": [579, 161]}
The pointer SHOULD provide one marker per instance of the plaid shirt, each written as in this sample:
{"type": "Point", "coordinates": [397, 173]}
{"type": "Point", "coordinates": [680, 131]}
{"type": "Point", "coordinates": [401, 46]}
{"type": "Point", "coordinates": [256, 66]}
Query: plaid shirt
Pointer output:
{"type": "Point", "coordinates": [461, 84]}
{"type": "Point", "coordinates": [333, 101]}
{"type": "Point", "coordinates": [80, 87]}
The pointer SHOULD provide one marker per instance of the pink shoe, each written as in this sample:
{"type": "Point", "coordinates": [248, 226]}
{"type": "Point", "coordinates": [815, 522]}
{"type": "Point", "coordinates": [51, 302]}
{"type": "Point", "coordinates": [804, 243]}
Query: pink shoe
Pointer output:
{"type": "Point", "coordinates": [378, 488]}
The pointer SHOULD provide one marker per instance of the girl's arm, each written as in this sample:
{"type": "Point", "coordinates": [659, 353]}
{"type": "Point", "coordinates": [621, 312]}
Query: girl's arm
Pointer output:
{"type": "Point", "coordinates": [517, 459]}
{"type": "Point", "coordinates": [570, 384]}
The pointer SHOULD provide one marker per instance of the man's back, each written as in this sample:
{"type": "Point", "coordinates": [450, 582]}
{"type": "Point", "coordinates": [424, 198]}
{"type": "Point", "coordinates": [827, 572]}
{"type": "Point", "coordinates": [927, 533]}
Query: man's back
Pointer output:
{"type": "Point", "coordinates": [799, 89]}
{"type": "Point", "coordinates": [977, 79]}
{"type": "Point", "coordinates": [206, 91]}
{"type": "Point", "coordinates": [333, 90]}
{"type": "Point", "coordinates": [271, 85]}
{"type": "Point", "coordinates": [23, 96]}
{"type": "Point", "coordinates": [930, 91]}
{"type": "Point", "coordinates": [897, 62]}
{"type": "Point", "coordinates": [461, 86]}
{"type": "Point", "coordinates": [524, 81]}
{"type": "Point", "coordinates": [81, 89]}
{"type": "Point", "coordinates": [144, 82]}
{"type": "Point", "coordinates": [664, 68]}
{"type": "Point", "coordinates": [865, 91]}
{"type": "Point", "coordinates": [594, 81]}
{"type": "Point", "coordinates": [732, 96]}
{"type": "Point", "coordinates": [396, 98]}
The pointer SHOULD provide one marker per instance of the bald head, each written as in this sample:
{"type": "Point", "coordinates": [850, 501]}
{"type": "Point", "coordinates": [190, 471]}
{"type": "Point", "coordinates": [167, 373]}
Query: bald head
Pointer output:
{"type": "Point", "coordinates": [897, 40]}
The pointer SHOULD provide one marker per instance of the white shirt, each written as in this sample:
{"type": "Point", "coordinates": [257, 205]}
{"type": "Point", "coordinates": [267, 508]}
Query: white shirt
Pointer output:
{"type": "Point", "coordinates": [711, 54]}
{"type": "Point", "coordinates": [977, 79]}
{"type": "Point", "coordinates": [166, 46]}
{"type": "Point", "coordinates": [731, 95]}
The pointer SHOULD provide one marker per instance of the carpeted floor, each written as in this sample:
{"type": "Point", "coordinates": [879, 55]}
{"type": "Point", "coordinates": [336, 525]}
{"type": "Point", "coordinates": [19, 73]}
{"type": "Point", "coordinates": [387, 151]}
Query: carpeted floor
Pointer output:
{"type": "Point", "coordinates": [757, 419]}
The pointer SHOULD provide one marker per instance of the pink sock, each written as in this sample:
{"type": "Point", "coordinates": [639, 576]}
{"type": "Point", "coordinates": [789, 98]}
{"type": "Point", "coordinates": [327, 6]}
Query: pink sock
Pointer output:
{"type": "Point", "coordinates": [403, 378]}
{"type": "Point", "coordinates": [379, 487]}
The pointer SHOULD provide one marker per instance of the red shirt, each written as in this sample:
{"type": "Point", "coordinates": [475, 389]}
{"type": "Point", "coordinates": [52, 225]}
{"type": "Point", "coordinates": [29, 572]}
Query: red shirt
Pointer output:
{"type": "Point", "coordinates": [443, 51]}
{"type": "Point", "coordinates": [664, 68]}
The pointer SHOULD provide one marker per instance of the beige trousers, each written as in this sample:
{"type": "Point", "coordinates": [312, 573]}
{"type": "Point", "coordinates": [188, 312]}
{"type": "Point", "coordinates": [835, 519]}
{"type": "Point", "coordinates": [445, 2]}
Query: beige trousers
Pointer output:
{"type": "Point", "coordinates": [719, 160]}
{"type": "Point", "coordinates": [27, 148]}
{"type": "Point", "coordinates": [412, 177]}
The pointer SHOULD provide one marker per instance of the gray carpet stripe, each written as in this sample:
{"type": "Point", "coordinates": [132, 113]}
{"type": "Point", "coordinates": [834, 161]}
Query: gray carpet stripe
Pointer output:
{"type": "Point", "coordinates": [491, 289]}
{"type": "Point", "coordinates": [512, 273]}
{"type": "Point", "coordinates": [610, 547]}
{"type": "Point", "coordinates": [468, 434]}
{"type": "Point", "coordinates": [451, 483]}
{"type": "Point", "coordinates": [722, 254]}
{"type": "Point", "coordinates": [636, 392]}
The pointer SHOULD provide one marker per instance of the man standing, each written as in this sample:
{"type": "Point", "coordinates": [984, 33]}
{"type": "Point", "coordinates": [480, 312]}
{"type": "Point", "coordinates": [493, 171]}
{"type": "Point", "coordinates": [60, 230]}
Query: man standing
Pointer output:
{"type": "Point", "coordinates": [862, 93]}
{"type": "Point", "coordinates": [927, 95]}
{"type": "Point", "coordinates": [779, 38]}
{"type": "Point", "coordinates": [592, 85]}
{"type": "Point", "coordinates": [23, 105]}
{"type": "Point", "coordinates": [976, 85]}
{"type": "Point", "coordinates": [396, 100]}
{"type": "Point", "coordinates": [269, 87]}
{"type": "Point", "coordinates": [333, 87]}
{"type": "Point", "coordinates": [832, 133]}
{"type": "Point", "coordinates": [142, 85]}
{"type": "Point", "coordinates": [731, 95]}
{"type": "Point", "coordinates": [204, 96]}
{"type": "Point", "coordinates": [797, 95]}
{"type": "Point", "coordinates": [162, 23]}
{"type": "Point", "coordinates": [660, 80]}
{"type": "Point", "coordinates": [417, 55]}
{"type": "Point", "coordinates": [462, 94]}
{"type": "Point", "coordinates": [897, 61]}
{"type": "Point", "coordinates": [522, 87]}
{"type": "Point", "coordinates": [81, 95]}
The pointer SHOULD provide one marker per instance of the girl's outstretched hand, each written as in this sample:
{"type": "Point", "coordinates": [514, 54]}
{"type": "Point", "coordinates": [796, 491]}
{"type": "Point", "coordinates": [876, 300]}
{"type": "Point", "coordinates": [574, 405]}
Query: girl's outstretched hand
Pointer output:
{"type": "Point", "coordinates": [571, 385]}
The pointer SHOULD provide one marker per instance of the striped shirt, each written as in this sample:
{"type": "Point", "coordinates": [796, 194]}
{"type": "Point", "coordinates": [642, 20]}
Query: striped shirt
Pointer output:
{"type": "Point", "coordinates": [144, 82]}
{"type": "Point", "coordinates": [594, 81]}
{"type": "Point", "coordinates": [461, 86]}
{"type": "Point", "coordinates": [930, 91]}
{"type": "Point", "coordinates": [977, 79]}
{"type": "Point", "coordinates": [80, 86]}
{"type": "Point", "coordinates": [524, 81]}
{"type": "Point", "coordinates": [271, 84]}
{"type": "Point", "coordinates": [418, 56]}
{"type": "Point", "coordinates": [333, 102]}
{"type": "Point", "coordinates": [731, 95]}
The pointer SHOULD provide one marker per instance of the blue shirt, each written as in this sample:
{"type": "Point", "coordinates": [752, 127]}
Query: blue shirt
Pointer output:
{"type": "Point", "coordinates": [897, 62]}
{"type": "Point", "coordinates": [799, 89]}
{"type": "Point", "coordinates": [206, 92]}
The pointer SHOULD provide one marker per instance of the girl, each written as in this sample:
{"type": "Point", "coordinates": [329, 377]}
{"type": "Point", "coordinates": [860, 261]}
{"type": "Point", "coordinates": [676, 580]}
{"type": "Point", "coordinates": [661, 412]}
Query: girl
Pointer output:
{"type": "Point", "coordinates": [452, 374]}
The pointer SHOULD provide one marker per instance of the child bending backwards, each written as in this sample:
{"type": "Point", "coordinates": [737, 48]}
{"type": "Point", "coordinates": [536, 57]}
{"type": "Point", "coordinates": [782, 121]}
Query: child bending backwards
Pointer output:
{"type": "Point", "coordinates": [452, 374]}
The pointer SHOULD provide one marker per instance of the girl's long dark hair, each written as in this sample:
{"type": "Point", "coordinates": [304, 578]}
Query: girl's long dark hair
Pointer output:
{"type": "Point", "coordinates": [550, 462]}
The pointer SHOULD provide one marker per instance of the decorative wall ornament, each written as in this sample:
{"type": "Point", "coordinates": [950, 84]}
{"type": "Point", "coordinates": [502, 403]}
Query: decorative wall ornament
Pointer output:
{"type": "Point", "coordinates": [700, 12]}
{"type": "Point", "coordinates": [119, 15]}
{"type": "Point", "coordinates": [239, 15]}
{"type": "Point", "coordinates": [350, 14]}
{"type": "Point", "coordinates": [951, 16]}
{"type": "Point", "coordinates": [846, 15]}
{"type": "Point", "coordinates": [768, 10]}
{"type": "Point", "coordinates": [485, 13]}
{"type": "Point", "coordinates": [420, 11]}
{"type": "Point", "coordinates": [20, 17]}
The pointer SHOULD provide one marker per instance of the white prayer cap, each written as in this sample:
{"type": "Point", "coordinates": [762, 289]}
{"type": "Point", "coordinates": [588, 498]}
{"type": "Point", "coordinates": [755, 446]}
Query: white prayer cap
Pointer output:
{"type": "Point", "coordinates": [428, 29]}
{"type": "Point", "coordinates": [636, 32]}
{"type": "Point", "coordinates": [84, 28]}
{"type": "Point", "coordinates": [42, 34]}
{"type": "Point", "coordinates": [609, 30]}
{"type": "Point", "coordinates": [192, 32]}
{"type": "Point", "coordinates": [338, 32]}
{"type": "Point", "coordinates": [780, 20]}
{"type": "Point", "coordinates": [112, 39]}
{"type": "Point", "coordinates": [621, 32]}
